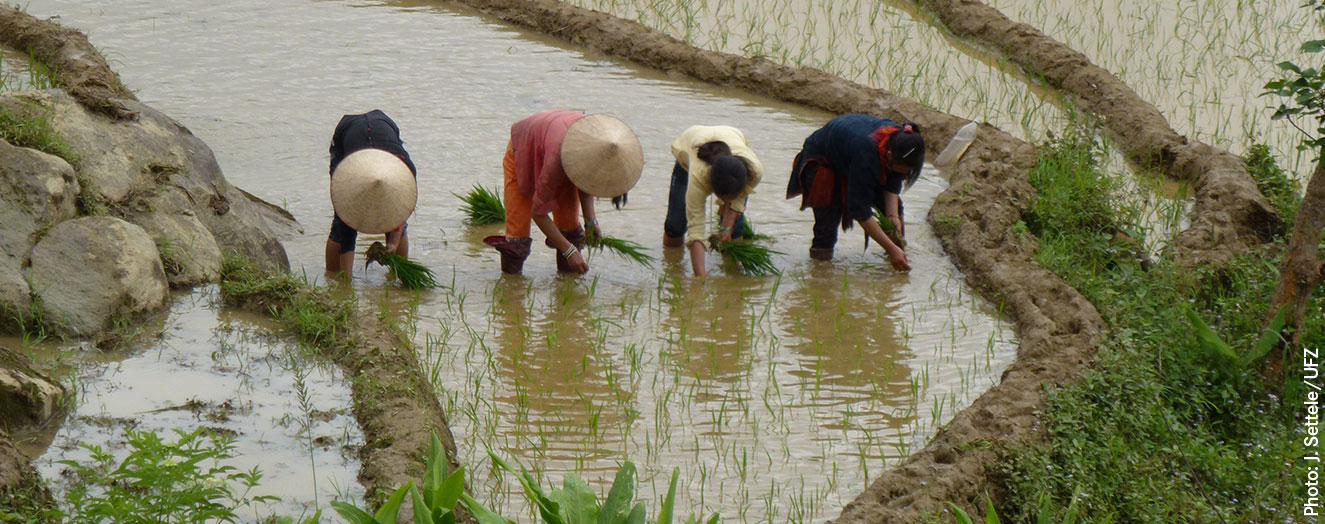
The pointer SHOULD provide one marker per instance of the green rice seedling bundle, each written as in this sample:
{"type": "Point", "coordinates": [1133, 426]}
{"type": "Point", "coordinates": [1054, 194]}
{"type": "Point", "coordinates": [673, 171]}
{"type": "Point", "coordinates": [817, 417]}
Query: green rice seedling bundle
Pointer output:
{"type": "Point", "coordinates": [750, 231]}
{"type": "Point", "coordinates": [482, 206]}
{"type": "Point", "coordinates": [889, 228]}
{"type": "Point", "coordinates": [412, 275]}
{"type": "Point", "coordinates": [753, 258]}
{"type": "Point", "coordinates": [623, 248]}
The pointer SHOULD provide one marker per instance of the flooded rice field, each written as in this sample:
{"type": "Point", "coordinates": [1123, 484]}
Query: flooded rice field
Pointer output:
{"type": "Point", "coordinates": [1218, 54]}
{"type": "Point", "coordinates": [778, 397]}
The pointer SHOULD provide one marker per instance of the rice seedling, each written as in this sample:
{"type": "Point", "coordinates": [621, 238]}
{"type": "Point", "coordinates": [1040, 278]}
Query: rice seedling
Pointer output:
{"type": "Point", "coordinates": [412, 275]}
{"type": "Point", "coordinates": [750, 233]}
{"type": "Point", "coordinates": [754, 259]}
{"type": "Point", "coordinates": [482, 206]}
{"type": "Point", "coordinates": [627, 249]}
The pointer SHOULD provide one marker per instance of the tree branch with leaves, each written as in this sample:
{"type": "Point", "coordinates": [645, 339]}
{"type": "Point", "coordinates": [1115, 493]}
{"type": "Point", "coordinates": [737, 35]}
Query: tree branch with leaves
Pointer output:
{"type": "Point", "coordinates": [1301, 270]}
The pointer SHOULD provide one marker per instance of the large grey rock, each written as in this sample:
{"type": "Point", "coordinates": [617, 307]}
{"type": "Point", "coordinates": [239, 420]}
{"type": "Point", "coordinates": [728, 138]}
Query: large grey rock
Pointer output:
{"type": "Point", "coordinates": [189, 252]}
{"type": "Point", "coordinates": [27, 396]}
{"type": "Point", "coordinates": [151, 170]}
{"type": "Point", "coordinates": [90, 271]}
{"type": "Point", "coordinates": [36, 190]}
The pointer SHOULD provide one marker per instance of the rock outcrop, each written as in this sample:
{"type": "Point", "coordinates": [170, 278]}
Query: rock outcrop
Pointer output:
{"type": "Point", "coordinates": [37, 190]}
{"type": "Point", "coordinates": [92, 271]}
{"type": "Point", "coordinates": [27, 396]}
{"type": "Point", "coordinates": [148, 172]}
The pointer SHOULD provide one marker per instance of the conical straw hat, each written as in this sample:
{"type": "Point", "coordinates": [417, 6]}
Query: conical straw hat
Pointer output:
{"type": "Point", "coordinates": [373, 191]}
{"type": "Point", "coordinates": [602, 156]}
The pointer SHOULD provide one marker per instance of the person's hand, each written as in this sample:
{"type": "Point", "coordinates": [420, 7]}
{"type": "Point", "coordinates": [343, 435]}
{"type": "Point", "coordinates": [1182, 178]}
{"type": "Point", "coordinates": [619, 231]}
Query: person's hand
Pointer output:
{"type": "Point", "coordinates": [392, 245]}
{"type": "Point", "coordinates": [577, 262]}
{"type": "Point", "coordinates": [724, 236]}
{"type": "Point", "coordinates": [595, 231]}
{"type": "Point", "coordinates": [897, 258]}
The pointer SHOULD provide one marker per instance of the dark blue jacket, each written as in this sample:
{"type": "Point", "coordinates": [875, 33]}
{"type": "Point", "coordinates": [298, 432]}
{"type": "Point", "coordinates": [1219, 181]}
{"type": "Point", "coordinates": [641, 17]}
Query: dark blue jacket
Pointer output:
{"type": "Point", "coordinates": [845, 145]}
{"type": "Point", "coordinates": [371, 130]}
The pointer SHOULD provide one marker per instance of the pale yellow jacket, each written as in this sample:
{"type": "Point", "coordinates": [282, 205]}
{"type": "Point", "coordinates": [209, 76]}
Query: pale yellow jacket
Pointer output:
{"type": "Point", "coordinates": [686, 148]}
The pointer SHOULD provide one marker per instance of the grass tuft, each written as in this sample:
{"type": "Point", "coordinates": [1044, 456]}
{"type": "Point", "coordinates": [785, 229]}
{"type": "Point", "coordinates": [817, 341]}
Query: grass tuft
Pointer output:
{"type": "Point", "coordinates": [412, 275]}
{"type": "Point", "coordinates": [482, 206]}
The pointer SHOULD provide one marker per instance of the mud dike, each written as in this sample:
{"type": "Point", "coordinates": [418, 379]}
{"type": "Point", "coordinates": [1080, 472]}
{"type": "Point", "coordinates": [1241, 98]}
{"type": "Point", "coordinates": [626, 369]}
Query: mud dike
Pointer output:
{"type": "Point", "coordinates": [974, 218]}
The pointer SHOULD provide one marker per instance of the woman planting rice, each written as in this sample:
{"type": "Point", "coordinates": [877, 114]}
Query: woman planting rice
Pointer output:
{"type": "Point", "coordinates": [373, 188]}
{"type": "Point", "coordinates": [556, 162]}
{"type": "Point", "coordinates": [710, 160]}
{"type": "Point", "coordinates": [850, 165]}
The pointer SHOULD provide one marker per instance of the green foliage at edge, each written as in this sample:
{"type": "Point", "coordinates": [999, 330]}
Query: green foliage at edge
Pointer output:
{"type": "Point", "coordinates": [1171, 423]}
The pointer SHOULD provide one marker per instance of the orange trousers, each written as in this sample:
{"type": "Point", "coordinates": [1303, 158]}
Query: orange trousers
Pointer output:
{"type": "Point", "coordinates": [520, 208]}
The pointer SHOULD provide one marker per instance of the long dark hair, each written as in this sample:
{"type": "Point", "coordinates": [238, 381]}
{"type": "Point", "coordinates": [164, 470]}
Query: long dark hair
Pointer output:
{"type": "Point", "coordinates": [728, 173]}
{"type": "Point", "coordinates": [906, 146]}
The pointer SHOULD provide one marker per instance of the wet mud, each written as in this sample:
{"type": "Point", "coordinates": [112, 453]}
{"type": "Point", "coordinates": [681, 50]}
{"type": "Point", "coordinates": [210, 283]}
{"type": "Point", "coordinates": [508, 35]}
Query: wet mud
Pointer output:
{"type": "Point", "coordinates": [83, 72]}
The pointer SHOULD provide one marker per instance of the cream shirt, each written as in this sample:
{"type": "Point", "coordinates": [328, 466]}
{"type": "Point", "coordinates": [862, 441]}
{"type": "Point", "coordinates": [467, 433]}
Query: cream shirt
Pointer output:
{"type": "Point", "coordinates": [686, 149]}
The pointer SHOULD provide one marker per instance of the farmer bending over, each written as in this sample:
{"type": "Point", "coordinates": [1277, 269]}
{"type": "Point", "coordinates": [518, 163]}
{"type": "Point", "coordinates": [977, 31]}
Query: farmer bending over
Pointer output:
{"type": "Point", "coordinates": [850, 166]}
{"type": "Point", "coordinates": [556, 163]}
{"type": "Point", "coordinates": [373, 188]}
{"type": "Point", "coordinates": [710, 160]}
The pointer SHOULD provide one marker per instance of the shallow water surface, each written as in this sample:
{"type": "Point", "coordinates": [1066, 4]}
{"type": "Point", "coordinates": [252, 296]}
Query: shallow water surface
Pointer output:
{"type": "Point", "coordinates": [201, 366]}
{"type": "Point", "coordinates": [778, 397]}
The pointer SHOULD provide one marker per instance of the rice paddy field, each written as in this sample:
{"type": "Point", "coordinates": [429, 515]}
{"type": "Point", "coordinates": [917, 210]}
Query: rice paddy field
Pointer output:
{"type": "Point", "coordinates": [779, 397]}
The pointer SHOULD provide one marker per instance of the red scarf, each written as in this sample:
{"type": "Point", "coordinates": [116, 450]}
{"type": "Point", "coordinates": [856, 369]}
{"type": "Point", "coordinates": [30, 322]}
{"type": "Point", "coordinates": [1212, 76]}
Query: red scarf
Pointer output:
{"type": "Point", "coordinates": [881, 137]}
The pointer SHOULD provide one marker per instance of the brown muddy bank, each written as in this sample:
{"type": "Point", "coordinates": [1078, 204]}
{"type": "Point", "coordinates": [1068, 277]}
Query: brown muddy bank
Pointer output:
{"type": "Point", "coordinates": [83, 72]}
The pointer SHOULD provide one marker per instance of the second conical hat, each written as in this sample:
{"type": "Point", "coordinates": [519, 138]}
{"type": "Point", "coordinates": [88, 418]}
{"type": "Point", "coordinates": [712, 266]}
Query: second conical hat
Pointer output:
{"type": "Point", "coordinates": [602, 156]}
{"type": "Point", "coordinates": [373, 191]}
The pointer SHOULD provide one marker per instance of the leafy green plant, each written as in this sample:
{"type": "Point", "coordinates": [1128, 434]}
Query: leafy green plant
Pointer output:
{"type": "Point", "coordinates": [482, 206]}
{"type": "Point", "coordinates": [1223, 353]}
{"type": "Point", "coordinates": [160, 481]}
{"type": "Point", "coordinates": [1304, 87]}
{"type": "Point", "coordinates": [434, 504]}
{"type": "Point", "coordinates": [1045, 516]}
{"type": "Point", "coordinates": [575, 502]}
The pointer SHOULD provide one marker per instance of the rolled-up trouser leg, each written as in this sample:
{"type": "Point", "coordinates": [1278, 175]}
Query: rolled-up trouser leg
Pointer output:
{"type": "Point", "coordinates": [674, 225]}
{"type": "Point", "coordinates": [826, 221]}
{"type": "Point", "coordinates": [513, 251]}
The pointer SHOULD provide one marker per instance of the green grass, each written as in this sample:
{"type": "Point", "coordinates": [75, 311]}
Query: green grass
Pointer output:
{"type": "Point", "coordinates": [313, 314]}
{"type": "Point", "coordinates": [1278, 186]}
{"type": "Point", "coordinates": [32, 129]}
{"type": "Point", "coordinates": [482, 206]}
{"type": "Point", "coordinates": [1156, 430]}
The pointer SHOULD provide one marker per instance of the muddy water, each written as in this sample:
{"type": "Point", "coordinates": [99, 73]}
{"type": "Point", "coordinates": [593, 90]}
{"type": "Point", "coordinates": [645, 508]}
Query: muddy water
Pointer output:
{"type": "Point", "coordinates": [1202, 63]}
{"type": "Point", "coordinates": [779, 398]}
{"type": "Point", "coordinates": [203, 366]}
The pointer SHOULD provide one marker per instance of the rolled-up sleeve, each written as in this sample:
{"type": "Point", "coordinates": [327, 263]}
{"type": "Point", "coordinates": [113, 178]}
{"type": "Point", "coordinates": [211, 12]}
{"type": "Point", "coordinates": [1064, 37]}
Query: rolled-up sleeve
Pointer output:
{"type": "Point", "coordinates": [697, 194]}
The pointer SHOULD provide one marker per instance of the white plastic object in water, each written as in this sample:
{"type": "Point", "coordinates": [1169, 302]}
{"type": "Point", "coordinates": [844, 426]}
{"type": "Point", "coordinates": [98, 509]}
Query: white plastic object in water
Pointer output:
{"type": "Point", "coordinates": [957, 146]}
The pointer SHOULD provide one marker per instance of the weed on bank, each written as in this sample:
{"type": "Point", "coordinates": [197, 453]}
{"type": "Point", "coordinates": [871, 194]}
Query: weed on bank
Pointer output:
{"type": "Point", "coordinates": [1159, 429]}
